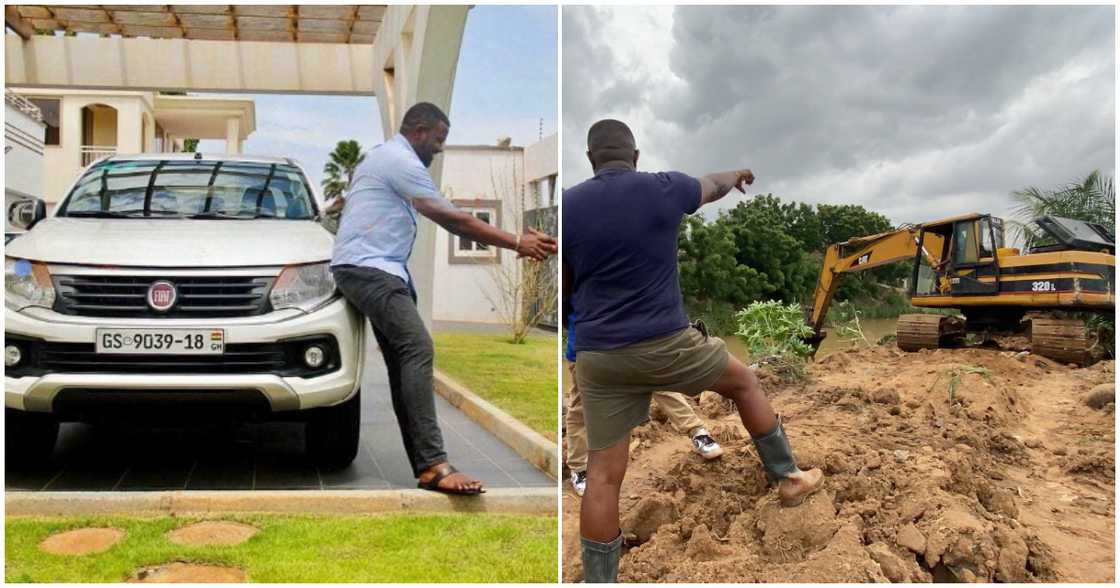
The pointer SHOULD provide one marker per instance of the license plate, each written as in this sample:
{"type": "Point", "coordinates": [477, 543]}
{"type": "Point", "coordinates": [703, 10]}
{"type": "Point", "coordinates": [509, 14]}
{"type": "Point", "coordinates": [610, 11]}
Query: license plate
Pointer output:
{"type": "Point", "coordinates": [161, 341]}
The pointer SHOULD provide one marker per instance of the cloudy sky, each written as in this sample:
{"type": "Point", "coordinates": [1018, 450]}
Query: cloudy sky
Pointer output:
{"type": "Point", "coordinates": [916, 112]}
{"type": "Point", "coordinates": [505, 85]}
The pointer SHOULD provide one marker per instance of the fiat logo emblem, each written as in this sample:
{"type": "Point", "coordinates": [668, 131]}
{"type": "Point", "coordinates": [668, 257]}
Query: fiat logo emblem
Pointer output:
{"type": "Point", "coordinates": [161, 296]}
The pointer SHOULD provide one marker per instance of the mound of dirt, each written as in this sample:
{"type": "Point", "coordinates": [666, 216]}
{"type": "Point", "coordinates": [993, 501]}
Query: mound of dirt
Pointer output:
{"type": "Point", "coordinates": [212, 533]}
{"type": "Point", "coordinates": [971, 465]}
{"type": "Point", "coordinates": [82, 541]}
{"type": "Point", "coordinates": [184, 573]}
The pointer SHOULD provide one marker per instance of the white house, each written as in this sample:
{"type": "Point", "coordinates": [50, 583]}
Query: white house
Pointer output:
{"type": "Point", "coordinates": [85, 125]}
{"type": "Point", "coordinates": [498, 184]}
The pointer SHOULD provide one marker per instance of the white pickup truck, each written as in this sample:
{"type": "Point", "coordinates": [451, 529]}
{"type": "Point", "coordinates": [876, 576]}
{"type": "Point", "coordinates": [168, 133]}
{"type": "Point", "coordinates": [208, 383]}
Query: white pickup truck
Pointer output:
{"type": "Point", "coordinates": [180, 287]}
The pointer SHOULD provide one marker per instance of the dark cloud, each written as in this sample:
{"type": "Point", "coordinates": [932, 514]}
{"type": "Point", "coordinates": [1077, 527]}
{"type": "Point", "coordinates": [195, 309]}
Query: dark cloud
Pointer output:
{"type": "Point", "coordinates": [916, 111]}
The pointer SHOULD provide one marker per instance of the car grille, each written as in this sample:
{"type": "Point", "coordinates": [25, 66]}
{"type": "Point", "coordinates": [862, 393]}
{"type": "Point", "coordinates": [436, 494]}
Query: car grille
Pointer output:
{"type": "Point", "coordinates": [283, 358]}
{"type": "Point", "coordinates": [127, 296]}
{"type": "Point", "coordinates": [245, 358]}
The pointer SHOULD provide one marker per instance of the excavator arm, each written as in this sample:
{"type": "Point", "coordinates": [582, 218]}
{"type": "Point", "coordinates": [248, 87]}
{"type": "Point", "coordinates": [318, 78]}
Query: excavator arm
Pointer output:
{"type": "Point", "coordinates": [864, 253]}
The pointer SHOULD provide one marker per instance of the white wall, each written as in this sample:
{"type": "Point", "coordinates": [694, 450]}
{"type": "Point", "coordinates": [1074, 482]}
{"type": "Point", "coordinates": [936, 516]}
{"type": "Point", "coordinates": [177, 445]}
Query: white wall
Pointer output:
{"type": "Point", "coordinates": [64, 160]}
{"type": "Point", "coordinates": [541, 159]}
{"type": "Point", "coordinates": [487, 173]}
{"type": "Point", "coordinates": [23, 163]}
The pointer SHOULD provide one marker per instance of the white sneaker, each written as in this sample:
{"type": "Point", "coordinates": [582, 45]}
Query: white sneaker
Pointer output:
{"type": "Point", "coordinates": [579, 482]}
{"type": "Point", "coordinates": [703, 444]}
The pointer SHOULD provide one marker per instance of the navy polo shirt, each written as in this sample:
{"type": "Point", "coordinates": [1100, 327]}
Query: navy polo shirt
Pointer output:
{"type": "Point", "coordinates": [620, 243]}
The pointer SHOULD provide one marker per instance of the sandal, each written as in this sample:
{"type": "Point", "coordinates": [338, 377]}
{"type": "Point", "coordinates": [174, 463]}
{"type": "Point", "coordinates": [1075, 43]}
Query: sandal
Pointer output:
{"type": "Point", "coordinates": [442, 472]}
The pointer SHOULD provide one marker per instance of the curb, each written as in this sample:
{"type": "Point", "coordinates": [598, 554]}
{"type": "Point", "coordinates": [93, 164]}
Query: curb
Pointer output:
{"type": "Point", "coordinates": [518, 501]}
{"type": "Point", "coordinates": [526, 442]}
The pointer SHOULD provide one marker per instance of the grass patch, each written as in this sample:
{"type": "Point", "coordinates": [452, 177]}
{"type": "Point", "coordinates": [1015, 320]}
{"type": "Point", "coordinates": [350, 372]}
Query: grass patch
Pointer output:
{"type": "Point", "coordinates": [383, 548]}
{"type": "Point", "coordinates": [519, 379]}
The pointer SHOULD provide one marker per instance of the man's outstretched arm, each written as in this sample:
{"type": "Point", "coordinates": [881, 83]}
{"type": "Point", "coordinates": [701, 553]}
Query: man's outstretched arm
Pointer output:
{"type": "Point", "coordinates": [716, 186]}
{"type": "Point", "coordinates": [532, 244]}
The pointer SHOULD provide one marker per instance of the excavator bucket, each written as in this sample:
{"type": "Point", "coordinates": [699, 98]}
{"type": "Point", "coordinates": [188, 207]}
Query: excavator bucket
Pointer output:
{"type": "Point", "coordinates": [814, 341]}
{"type": "Point", "coordinates": [928, 331]}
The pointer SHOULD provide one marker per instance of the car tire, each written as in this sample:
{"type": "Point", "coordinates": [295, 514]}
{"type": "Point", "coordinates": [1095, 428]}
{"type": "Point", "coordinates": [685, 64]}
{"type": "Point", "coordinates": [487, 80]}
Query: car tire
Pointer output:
{"type": "Point", "coordinates": [332, 434]}
{"type": "Point", "coordinates": [29, 438]}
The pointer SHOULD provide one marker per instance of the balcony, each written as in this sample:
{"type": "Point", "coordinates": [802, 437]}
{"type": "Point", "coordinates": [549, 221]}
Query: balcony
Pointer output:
{"type": "Point", "coordinates": [91, 153]}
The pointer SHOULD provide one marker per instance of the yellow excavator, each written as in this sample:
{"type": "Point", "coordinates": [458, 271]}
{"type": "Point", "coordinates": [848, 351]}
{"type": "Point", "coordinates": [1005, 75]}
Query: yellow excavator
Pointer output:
{"type": "Point", "coordinates": [1066, 269]}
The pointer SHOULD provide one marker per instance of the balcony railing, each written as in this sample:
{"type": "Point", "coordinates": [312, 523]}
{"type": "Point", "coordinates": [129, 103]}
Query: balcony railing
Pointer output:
{"type": "Point", "coordinates": [91, 153]}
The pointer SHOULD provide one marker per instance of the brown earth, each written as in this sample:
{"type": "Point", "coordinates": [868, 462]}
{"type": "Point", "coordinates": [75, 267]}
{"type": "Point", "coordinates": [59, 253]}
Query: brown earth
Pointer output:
{"type": "Point", "coordinates": [182, 573]}
{"type": "Point", "coordinates": [82, 541]}
{"type": "Point", "coordinates": [212, 533]}
{"type": "Point", "coordinates": [966, 464]}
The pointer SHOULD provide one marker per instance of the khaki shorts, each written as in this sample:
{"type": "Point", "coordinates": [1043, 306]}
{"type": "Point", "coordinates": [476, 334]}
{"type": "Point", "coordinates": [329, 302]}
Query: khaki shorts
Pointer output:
{"type": "Point", "coordinates": [617, 384]}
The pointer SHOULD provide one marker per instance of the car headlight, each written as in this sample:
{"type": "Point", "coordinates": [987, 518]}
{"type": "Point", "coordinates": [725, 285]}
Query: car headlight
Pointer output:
{"type": "Point", "coordinates": [304, 287]}
{"type": "Point", "coordinates": [27, 283]}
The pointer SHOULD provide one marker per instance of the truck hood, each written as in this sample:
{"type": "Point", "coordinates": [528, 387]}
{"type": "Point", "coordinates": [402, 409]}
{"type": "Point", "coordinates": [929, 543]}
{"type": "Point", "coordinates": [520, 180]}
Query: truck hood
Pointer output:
{"type": "Point", "coordinates": [173, 242]}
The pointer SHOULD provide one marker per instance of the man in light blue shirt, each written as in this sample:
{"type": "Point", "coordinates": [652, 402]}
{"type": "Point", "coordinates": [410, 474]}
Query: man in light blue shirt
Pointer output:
{"type": "Point", "coordinates": [370, 265]}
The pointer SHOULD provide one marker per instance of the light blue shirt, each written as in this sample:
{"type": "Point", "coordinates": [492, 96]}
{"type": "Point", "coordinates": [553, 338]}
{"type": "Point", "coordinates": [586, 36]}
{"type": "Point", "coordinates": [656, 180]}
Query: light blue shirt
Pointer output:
{"type": "Point", "coordinates": [378, 226]}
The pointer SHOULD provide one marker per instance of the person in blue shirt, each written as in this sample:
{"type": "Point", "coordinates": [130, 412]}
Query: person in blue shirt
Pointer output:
{"type": "Point", "coordinates": [620, 278]}
{"type": "Point", "coordinates": [375, 237]}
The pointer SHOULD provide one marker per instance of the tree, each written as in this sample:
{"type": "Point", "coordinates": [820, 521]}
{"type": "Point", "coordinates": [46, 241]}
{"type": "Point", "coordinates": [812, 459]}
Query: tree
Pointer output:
{"type": "Point", "coordinates": [846, 221]}
{"type": "Point", "coordinates": [1093, 199]}
{"type": "Point", "coordinates": [526, 291]}
{"type": "Point", "coordinates": [190, 145]}
{"type": "Point", "coordinates": [345, 158]}
{"type": "Point", "coordinates": [764, 249]}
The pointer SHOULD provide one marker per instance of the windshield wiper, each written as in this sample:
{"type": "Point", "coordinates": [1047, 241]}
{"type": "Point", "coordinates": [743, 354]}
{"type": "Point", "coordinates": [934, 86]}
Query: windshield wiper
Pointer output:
{"type": "Point", "coordinates": [136, 213]}
{"type": "Point", "coordinates": [217, 215]}
{"type": "Point", "coordinates": [100, 214]}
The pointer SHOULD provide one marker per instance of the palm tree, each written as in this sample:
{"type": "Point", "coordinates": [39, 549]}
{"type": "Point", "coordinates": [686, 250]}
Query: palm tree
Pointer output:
{"type": "Point", "coordinates": [340, 169]}
{"type": "Point", "coordinates": [333, 187]}
{"type": "Point", "coordinates": [1092, 200]}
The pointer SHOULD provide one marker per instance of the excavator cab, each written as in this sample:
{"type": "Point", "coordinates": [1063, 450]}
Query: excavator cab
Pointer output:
{"type": "Point", "coordinates": [959, 257]}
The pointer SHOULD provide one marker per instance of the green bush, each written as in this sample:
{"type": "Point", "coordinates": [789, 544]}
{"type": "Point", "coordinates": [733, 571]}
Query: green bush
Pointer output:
{"type": "Point", "coordinates": [773, 329]}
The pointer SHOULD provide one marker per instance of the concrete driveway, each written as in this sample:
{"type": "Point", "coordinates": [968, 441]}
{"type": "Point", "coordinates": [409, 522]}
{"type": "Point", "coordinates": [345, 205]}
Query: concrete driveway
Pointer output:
{"type": "Point", "coordinates": [267, 456]}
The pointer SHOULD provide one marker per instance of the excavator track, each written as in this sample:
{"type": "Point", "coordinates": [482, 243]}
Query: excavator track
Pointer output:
{"type": "Point", "coordinates": [927, 331]}
{"type": "Point", "coordinates": [1063, 340]}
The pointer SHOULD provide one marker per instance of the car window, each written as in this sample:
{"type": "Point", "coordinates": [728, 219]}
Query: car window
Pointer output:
{"type": "Point", "coordinates": [195, 187]}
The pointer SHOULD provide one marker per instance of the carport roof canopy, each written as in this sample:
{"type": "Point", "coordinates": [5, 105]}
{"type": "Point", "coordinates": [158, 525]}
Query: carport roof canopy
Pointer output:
{"type": "Point", "coordinates": [348, 24]}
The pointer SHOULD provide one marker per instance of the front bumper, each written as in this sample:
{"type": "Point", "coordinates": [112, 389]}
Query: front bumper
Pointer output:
{"type": "Point", "coordinates": [337, 318]}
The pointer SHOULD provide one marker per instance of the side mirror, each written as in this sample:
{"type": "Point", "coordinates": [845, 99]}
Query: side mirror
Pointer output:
{"type": "Point", "coordinates": [27, 213]}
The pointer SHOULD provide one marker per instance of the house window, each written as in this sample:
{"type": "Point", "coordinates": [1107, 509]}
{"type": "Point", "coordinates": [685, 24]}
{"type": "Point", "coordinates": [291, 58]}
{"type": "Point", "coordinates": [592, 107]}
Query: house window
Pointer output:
{"type": "Point", "coordinates": [464, 250]}
{"type": "Point", "coordinates": [50, 109]}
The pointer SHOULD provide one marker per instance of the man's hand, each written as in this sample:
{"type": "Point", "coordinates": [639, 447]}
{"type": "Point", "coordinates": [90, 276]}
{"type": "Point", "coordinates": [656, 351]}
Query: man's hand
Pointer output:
{"type": "Point", "coordinates": [532, 244]}
{"type": "Point", "coordinates": [744, 177]}
{"type": "Point", "coordinates": [716, 186]}
{"type": "Point", "coordinates": [536, 245]}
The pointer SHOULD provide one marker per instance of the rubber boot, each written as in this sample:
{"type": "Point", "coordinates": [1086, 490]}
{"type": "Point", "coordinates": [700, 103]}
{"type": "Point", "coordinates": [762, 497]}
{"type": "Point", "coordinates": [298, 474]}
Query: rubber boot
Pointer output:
{"type": "Point", "coordinates": [600, 560]}
{"type": "Point", "coordinates": [794, 485]}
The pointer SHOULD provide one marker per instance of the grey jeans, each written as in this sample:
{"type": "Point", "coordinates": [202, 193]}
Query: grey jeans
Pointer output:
{"type": "Point", "coordinates": [390, 305]}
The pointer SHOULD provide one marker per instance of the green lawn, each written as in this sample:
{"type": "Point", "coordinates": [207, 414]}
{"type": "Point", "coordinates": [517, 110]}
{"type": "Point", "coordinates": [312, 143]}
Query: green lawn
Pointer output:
{"type": "Point", "coordinates": [384, 548]}
{"type": "Point", "coordinates": [519, 379]}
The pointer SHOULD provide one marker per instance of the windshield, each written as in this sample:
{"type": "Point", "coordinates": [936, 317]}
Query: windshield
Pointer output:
{"type": "Point", "coordinates": [1082, 230]}
{"type": "Point", "coordinates": [191, 189]}
{"type": "Point", "coordinates": [1069, 231]}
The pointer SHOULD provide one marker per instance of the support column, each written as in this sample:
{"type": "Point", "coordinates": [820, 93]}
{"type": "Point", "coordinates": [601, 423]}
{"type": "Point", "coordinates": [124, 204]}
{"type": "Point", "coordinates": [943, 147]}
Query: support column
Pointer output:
{"type": "Point", "coordinates": [233, 136]}
{"type": "Point", "coordinates": [421, 45]}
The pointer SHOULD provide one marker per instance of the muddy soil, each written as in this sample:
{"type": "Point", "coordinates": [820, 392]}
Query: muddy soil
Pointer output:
{"type": "Point", "coordinates": [212, 533]}
{"type": "Point", "coordinates": [948, 465]}
{"type": "Point", "coordinates": [82, 541]}
{"type": "Point", "coordinates": [189, 573]}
